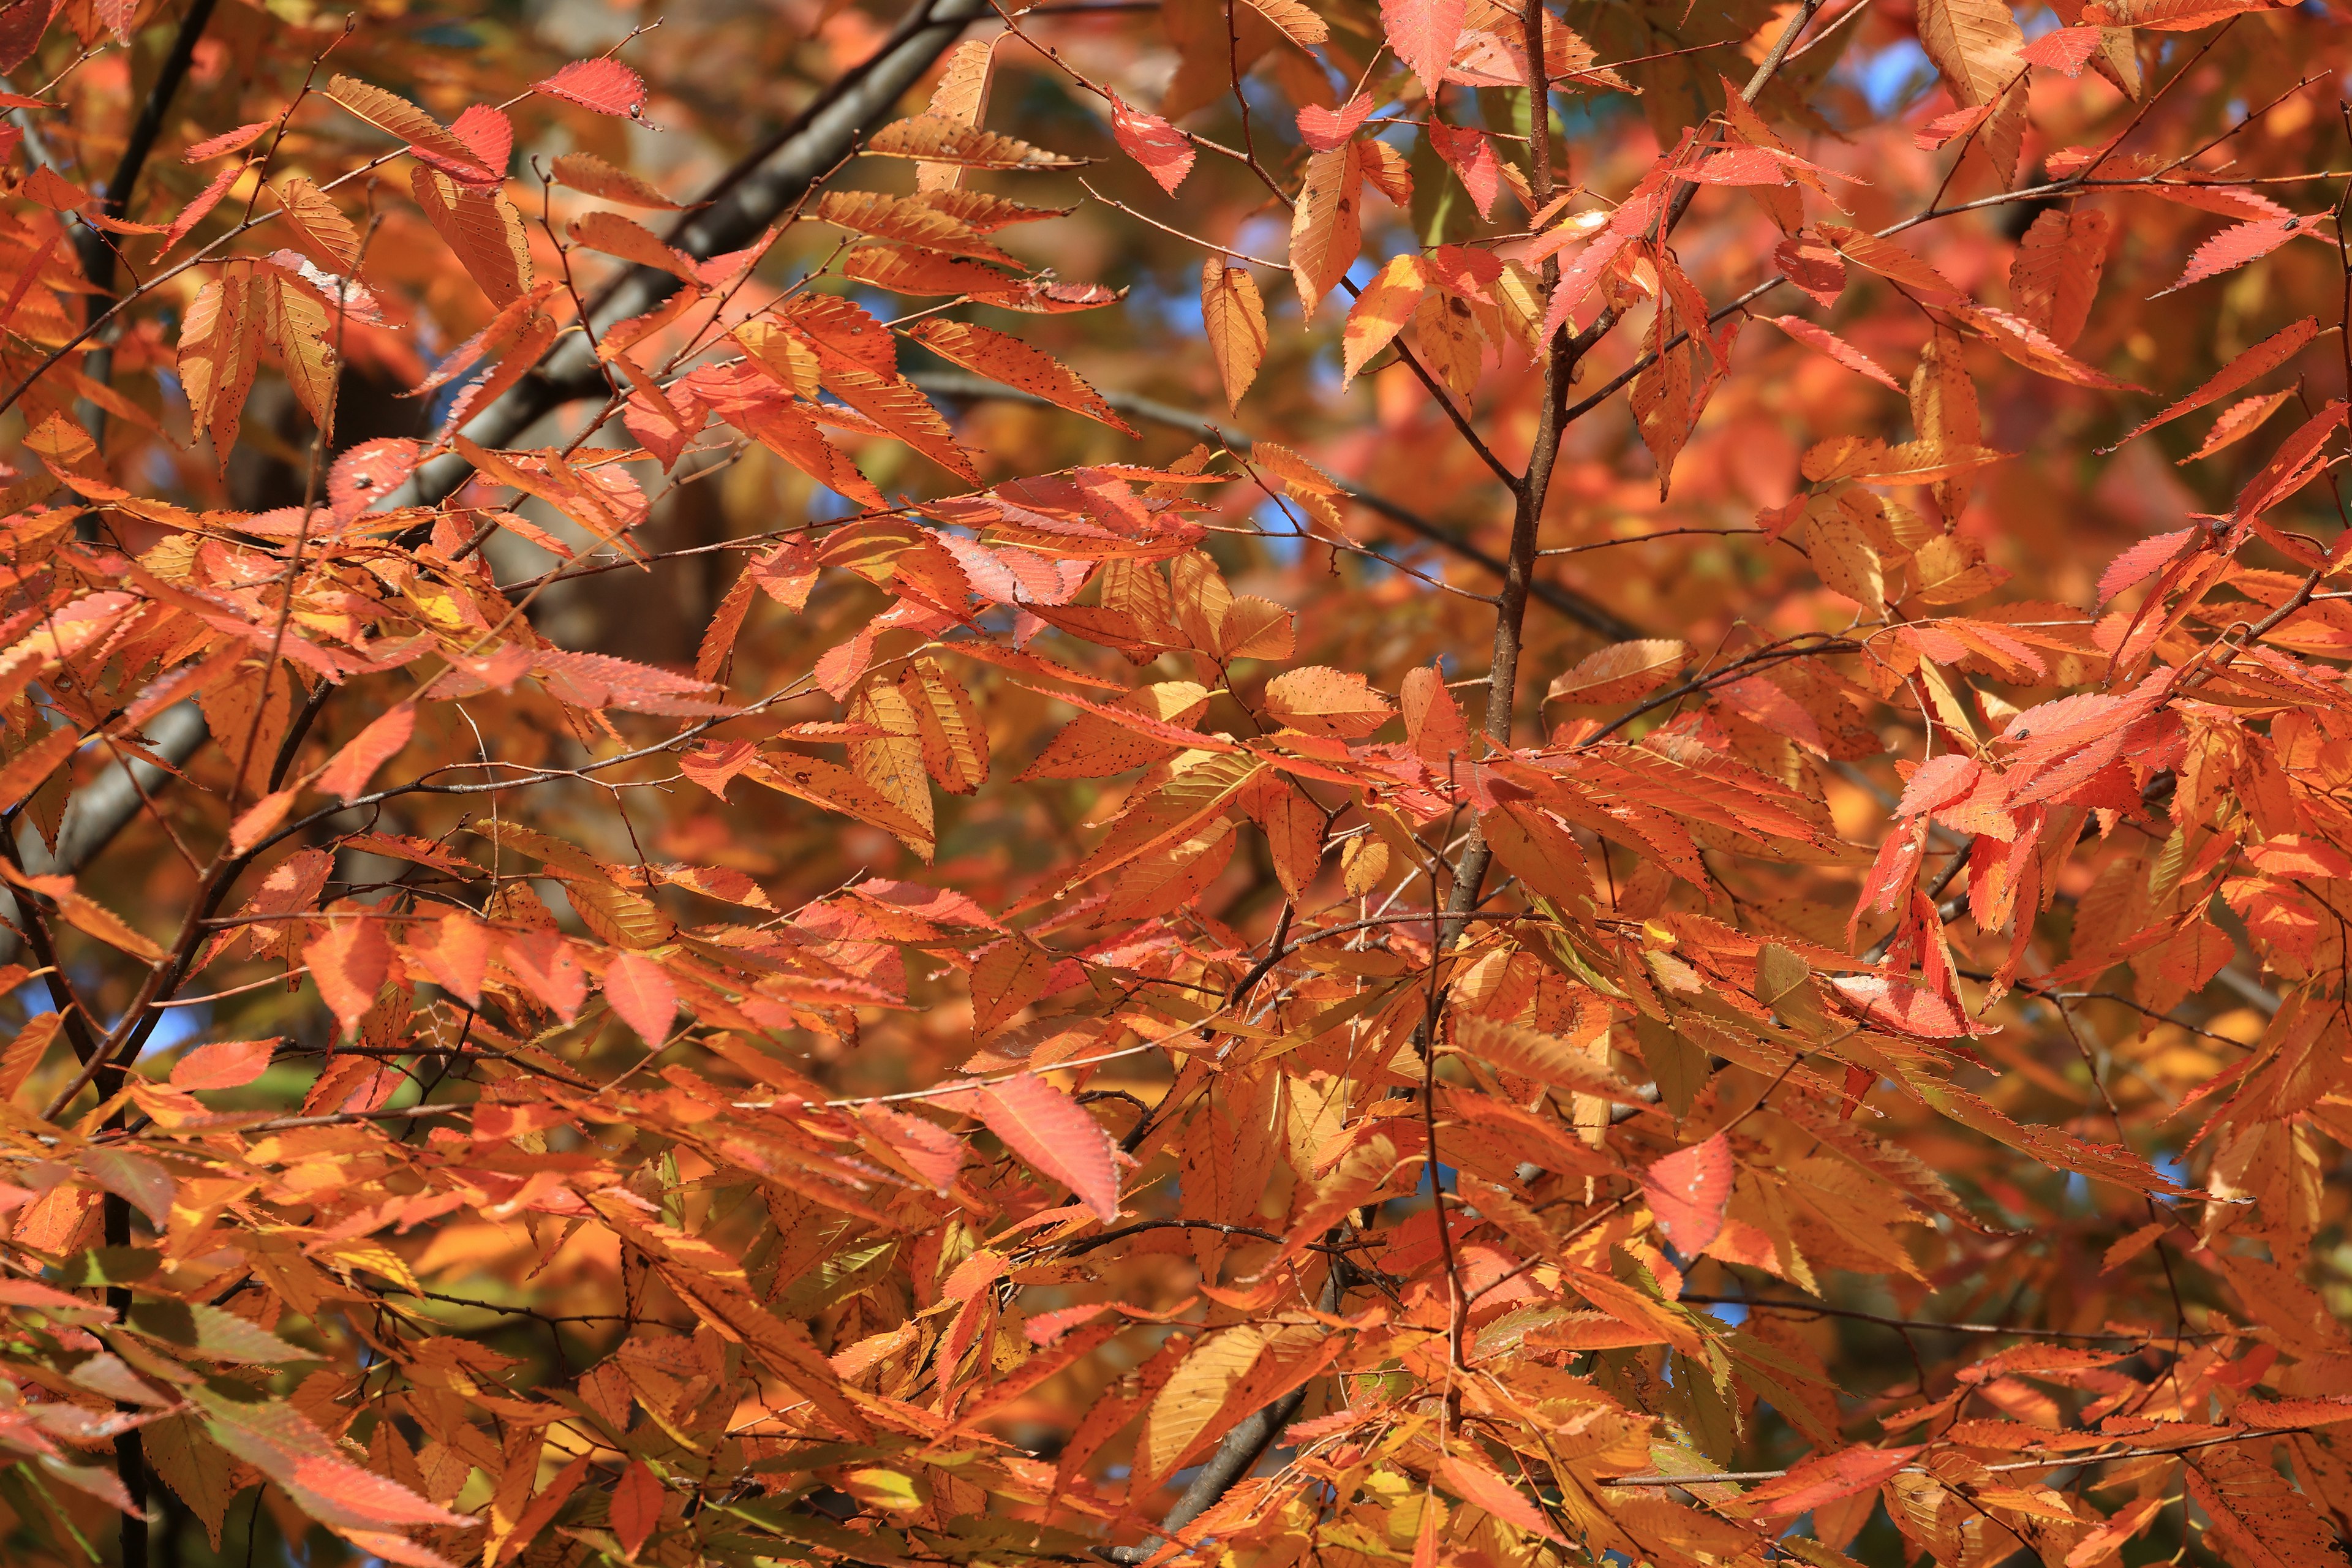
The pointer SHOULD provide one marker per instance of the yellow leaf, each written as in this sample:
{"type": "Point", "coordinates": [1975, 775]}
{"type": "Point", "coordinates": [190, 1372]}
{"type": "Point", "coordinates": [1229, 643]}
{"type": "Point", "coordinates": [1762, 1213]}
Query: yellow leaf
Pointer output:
{"type": "Point", "coordinates": [1382, 310]}
{"type": "Point", "coordinates": [320, 224]}
{"type": "Point", "coordinates": [1233, 316]}
{"type": "Point", "coordinates": [1191, 1397]}
{"type": "Point", "coordinates": [1298, 24]}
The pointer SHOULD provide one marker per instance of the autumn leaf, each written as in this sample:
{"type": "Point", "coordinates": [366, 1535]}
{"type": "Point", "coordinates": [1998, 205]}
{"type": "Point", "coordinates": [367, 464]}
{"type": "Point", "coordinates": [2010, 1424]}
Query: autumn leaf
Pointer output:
{"type": "Point", "coordinates": [1836, 347]}
{"type": "Point", "coordinates": [1015, 363]}
{"type": "Point", "coordinates": [1297, 22]}
{"type": "Point", "coordinates": [456, 952]}
{"type": "Point", "coordinates": [2236, 245]}
{"type": "Point", "coordinates": [223, 1064]}
{"type": "Point", "coordinates": [637, 1506]}
{"type": "Point", "coordinates": [348, 963]}
{"type": "Point", "coordinates": [1382, 310]}
{"type": "Point", "coordinates": [1325, 130]}
{"type": "Point", "coordinates": [1826, 1478]}
{"type": "Point", "coordinates": [1323, 701]}
{"type": "Point", "coordinates": [935, 140]}
{"type": "Point", "coordinates": [641, 993]}
{"type": "Point", "coordinates": [1688, 1190]}
{"type": "Point", "coordinates": [591, 175]}
{"type": "Point", "coordinates": [1233, 318]}
{"type": "Point", "coordinates": [1327, 224]}
{"type": "Point", "coordinates": [227, 142]}
{"type": "Point", "coordinates": [1053, 1133]}
{"type": "Point", "coordinates": [348, 774]}
{"type": "Point", "coordinates": [1619, 672]}
{"type": "Point", "coordinates": [1423, 33]}
{"type": "Point", "coordinates": [427, 138]}
{"type": "Point", "coordinates": [1165, 152]}
{"type": "Point", "coordinates": [1476, 1484]}
{"type": "Point", "coordinates": [607, 86]}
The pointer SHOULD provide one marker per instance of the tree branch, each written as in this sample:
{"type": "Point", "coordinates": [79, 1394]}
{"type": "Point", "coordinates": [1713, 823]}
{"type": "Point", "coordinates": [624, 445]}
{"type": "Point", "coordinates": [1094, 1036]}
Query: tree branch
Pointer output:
{"type": "Point", "coordinates": [728, 216]}
{"type": "Point", "coordinates": [1587, 613]}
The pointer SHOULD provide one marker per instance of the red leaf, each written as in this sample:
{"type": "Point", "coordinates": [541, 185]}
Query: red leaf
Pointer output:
{"type": "Point", "coordinates": [1901, 1006]}
{"type": "Point", "coordinates": [457, 957]}
{"type": "Point", "coordinates": [1939, 782]}
{"type": "Point", "coordinates": [2294, 464]}
{"type": "Point", "coordinates": [1824, 1478]}
{"type": "Point", "coordinates": [932, 1152]}
{"type": "Point", "coordinates": [608, 87]}
{"type": "Point", "coordinates": [489, 132]}
{"type": "Point", "coordinates": [1836, 347]}
{"type": "Point", "coordinates": [2256, 361]}
{"type": "Point", "coordinates": [349, 962]}
{"type": "Point", "coordinates": [1482, 1488]}
{"type": "Point", "coordinates": [1811, 264]}
{"type": "Point", "coordinates": [1688, 1192]}
{"type": "Point", "coordinates": [2068, 50]}
{"type": "Point", "coordinates": [640, 991]}
{"type": "Point", "coordinates": [2234, 247]}
{"type": "Point", "coordinates": [548, 969]}
{"type": "Point", "coordinates": [369, 472]}
{"type": "Point", "coordinates": [1737, 166]}
{"type": "Point", "coordinates": [2141, 561]}
{"type": "Point", "coordinates": [1945, 128]}
{"type": "Point", "coordinates": [636, 1506]}
{"type": "Point", "coordinates": [1053, 1133]}
{"type": "Point", "coordinates": [347, 775]}
{"type": "Point", "coordinates": [194, 212]}
{"type": "Point", "coordinates": [234, 141]}
{"type": "Point", "coordinates": [1468, 153]}
{"type": "Point", "coordinates": [223, 1064]}
{"type": "Point", "coordinates": [1163, 150]}
{"type": "Point", "coordinates": [1424, 33]}
{"type": "Point", "coordinates": [1324, 129]}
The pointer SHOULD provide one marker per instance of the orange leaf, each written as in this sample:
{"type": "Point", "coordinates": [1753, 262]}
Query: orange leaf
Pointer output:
{"type": "Point", "coordinates": [1688, 1192]}
{"type": "Point", "coordinates": [348, 962]}
{"type": "Point", "coordinates": [347, 775]}
{"type": "Point", "coordinates": [1320, 701]}
{"type": "Point", "coordinates": [1825, 1478]}
{"type": "Point", "coordinates": [1233, 315]}
{"type": "Point", "coordinates": [1053, 1133]}
{"type": "Point", "coordinates": [457, 957]}
{"type": "Point", "coordinates": [1015, 363]}
{"type": "Point", "coordinates": [640, 991]}
{"type": "Point", "coordinates": [543, 961]}
{"type": "Point", "coordinates": [223, 1064]}
{"type": "Point", "coordinates": [1477, 1485]}
{"type": "Point", "coordinates": [636, 1506]}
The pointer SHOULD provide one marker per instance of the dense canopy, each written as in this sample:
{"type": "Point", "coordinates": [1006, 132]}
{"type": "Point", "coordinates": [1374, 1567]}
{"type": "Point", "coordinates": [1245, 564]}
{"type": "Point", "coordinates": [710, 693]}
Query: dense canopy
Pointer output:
{"type": "Point", "coordinates": [1241, 784]}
